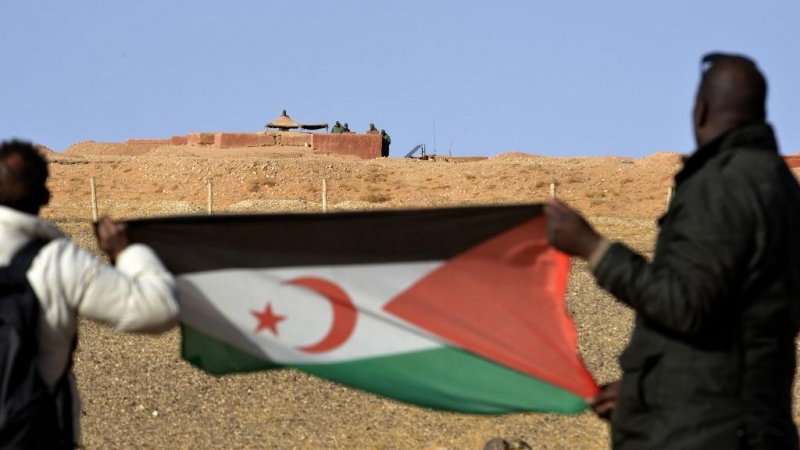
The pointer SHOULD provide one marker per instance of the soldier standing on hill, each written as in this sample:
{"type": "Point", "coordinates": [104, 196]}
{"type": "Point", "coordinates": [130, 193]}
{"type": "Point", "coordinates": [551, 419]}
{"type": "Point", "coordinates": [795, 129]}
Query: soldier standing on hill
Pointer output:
{"type": "Point", "coordinates": [372, 129]}
{"type": "Point", "coordinates": [337, 128]}
{"type": "Point", "coordinates": [385, 144]}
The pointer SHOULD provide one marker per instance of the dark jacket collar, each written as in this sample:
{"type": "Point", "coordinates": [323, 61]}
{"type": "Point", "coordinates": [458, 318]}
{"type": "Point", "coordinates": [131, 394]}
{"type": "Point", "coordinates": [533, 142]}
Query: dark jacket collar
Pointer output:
{"type": "Point", "coordinates": [756, 135]}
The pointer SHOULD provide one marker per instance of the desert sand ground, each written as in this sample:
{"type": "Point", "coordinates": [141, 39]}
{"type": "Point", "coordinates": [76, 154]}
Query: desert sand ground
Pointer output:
{"type": "Point", "coordinates": [138, 393]}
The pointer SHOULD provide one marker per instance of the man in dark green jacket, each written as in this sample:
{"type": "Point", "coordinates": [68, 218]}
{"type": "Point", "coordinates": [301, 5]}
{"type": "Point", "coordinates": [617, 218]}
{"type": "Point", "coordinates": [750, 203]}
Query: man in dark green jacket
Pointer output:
{"type": "Point", "coordinates": [711, 361]}
{"type": "Point", "coordinates": [385, 143]}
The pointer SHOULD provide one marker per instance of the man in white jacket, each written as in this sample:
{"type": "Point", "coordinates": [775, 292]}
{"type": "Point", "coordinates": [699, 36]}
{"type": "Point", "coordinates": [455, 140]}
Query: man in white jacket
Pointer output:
{"type": "Point", "coordinates": [136, 295]}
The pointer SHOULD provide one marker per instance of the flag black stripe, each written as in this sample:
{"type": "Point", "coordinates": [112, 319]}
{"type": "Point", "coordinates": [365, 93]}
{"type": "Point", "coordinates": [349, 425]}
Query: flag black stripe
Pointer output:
{"type": "Point", "coordinates": [200, 243]}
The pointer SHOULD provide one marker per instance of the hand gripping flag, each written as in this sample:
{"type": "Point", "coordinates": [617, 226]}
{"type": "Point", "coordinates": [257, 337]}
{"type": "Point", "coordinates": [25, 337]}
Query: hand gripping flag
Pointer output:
{"type": "Point", "coordinates": [459, 309]}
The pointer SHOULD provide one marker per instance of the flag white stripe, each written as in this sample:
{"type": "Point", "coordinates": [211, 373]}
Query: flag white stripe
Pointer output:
{"type": "Point", "coordinates": [221, 304]}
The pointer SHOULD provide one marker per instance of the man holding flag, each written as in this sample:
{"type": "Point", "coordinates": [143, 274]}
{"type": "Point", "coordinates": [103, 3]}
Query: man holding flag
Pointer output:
{"type": "Point", "coordinates": [711, 361]}
{"type": "Point", "coordinates": [46, 283]}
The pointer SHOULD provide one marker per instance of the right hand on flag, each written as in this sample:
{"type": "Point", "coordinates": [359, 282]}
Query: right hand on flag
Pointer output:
{"type": "Point", "coordinates": [569, 232]}
{"type": "Point", "coordinates": [603, 405]}
{"type": "Point", "coordinates": [112, 237]}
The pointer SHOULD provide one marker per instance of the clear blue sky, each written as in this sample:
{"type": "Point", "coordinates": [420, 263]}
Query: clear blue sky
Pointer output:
{"type": "Point", "coordinates": [543, 77]}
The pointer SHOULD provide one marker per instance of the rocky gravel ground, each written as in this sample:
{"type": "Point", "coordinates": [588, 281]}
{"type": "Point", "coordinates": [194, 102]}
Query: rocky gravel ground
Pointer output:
{"type": "Point", "coordinates": [138, 394]}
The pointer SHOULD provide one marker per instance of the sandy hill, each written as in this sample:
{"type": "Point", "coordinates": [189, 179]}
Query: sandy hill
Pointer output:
{"type": "Point", "coordinates": [136, 391]}
{"type": "Point", "coordinates": [141, 174]}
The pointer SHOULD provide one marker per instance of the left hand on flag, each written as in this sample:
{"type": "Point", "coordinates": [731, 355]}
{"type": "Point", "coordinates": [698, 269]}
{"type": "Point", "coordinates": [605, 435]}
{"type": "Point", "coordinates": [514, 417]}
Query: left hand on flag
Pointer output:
{"type": "Point", "coordinates": [112, 237]}
{"type": "Point", "coordinates": [569, 232]}
{"type": "Point", "coordinates": [603, 405]}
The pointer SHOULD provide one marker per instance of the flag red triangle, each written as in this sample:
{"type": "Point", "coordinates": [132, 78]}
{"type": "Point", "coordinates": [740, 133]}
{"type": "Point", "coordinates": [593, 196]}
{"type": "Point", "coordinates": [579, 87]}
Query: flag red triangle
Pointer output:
{"type": "Point", "coordinates": [504, 300]}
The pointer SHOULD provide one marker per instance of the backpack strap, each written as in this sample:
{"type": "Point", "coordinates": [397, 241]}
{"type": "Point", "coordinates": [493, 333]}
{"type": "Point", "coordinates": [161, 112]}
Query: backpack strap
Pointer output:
{"type": "Point", "coordinates": [21, 262]}
{"type": "Point", "coordinates": [25, 255]}
{"type": "Point", "coordinates": [14, 278]}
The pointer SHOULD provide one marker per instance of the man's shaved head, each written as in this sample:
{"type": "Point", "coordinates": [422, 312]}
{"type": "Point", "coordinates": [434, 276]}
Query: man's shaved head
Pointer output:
{"type": "Point", "coordinates": [732, 92]}
{"type": "Point", "coordinates": [23, 174]}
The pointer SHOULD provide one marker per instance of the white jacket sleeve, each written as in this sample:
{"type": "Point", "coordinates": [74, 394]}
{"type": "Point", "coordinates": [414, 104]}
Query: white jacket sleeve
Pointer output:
{"type": "Point", "coordinates": [137, 295]}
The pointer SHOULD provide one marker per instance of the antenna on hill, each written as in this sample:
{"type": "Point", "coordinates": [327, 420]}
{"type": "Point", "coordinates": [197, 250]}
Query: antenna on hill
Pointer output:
{"type": "Point", "coordinates": [434, 134]}
{"type": "Point", "coordinates": [450, 152]}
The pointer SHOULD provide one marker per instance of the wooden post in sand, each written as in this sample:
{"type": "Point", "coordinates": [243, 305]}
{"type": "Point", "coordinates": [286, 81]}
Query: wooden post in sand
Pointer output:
{"type": "Point", "coordinates": [324, 195]}
{"type": "Point", "coordinates": [670, 194]}
{"type": "Point", "coordinates": [552, 190]}
{"type": "Point", "coordinates": [94, 199]}
{"type": "Point", "coordinates": [210, 196]}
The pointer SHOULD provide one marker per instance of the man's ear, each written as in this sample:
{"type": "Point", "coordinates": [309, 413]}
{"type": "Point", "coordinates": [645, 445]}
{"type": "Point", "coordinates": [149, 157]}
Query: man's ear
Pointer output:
{"type": "Point", "coordinates": [40, 197]}
{"type": "Point", "coordinates": [700, 120]}
{"type": "Point", "coordinates": [45, 197]}
{"type": "Point", "coordinates": [700, 115]}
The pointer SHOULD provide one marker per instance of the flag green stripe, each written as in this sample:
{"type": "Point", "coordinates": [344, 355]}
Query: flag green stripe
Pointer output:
{"type": "Point", "coordinates": [445, 378]}
{"type": "Point", "coordinates": [217, 357]}
{"type": "Point", "coordinates": [450, 379]}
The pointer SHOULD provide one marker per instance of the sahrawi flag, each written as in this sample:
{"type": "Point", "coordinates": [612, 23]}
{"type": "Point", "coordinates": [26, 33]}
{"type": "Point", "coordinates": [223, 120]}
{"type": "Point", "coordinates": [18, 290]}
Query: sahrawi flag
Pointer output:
{"type": "Point", "coordinates": [459, 309]}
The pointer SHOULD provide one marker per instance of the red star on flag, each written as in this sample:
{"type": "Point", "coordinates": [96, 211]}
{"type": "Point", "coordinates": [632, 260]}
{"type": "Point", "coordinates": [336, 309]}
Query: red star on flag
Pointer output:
{"type": "Point", "coordinates": [267, 319]}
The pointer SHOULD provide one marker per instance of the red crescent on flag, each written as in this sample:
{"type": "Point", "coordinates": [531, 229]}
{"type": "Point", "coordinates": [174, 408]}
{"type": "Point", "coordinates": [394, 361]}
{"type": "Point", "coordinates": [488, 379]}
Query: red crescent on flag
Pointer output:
{"type": "Point", "coordinates": [344, 313]}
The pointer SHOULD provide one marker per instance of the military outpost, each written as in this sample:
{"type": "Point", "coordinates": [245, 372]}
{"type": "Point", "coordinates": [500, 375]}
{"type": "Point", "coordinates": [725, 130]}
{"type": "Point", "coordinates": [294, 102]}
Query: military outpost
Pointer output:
{"type": "Point", "coordinates": [285, 132]}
